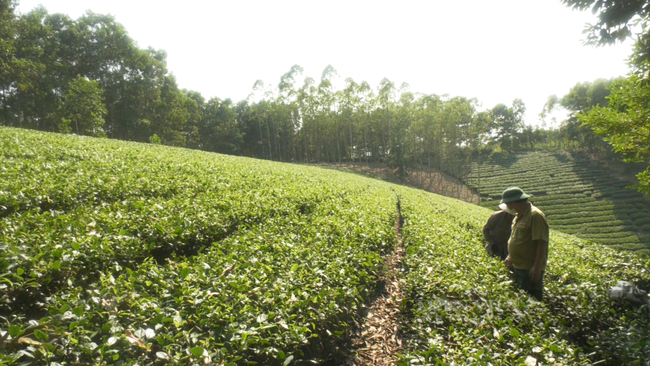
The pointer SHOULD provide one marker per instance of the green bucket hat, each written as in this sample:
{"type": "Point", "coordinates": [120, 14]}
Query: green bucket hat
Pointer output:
{"type": "Point", "coordinates": [513, 194]}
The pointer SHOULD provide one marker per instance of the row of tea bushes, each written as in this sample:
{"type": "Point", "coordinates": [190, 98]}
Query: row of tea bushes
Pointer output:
{"type": "Point", "coordinates": [578, 195]}
{"type": "Point", "coordinates": [169, 256]}
{"type": "Point", "coordinates": [463, 308]}
{"type": "Point", "coordinates": [121, 253]}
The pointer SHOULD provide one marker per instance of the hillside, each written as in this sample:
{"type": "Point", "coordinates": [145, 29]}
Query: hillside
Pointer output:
{"type": "Point", "coordinates": [117, 253]}
{"type": "Point", "coordinates": [579, 195]}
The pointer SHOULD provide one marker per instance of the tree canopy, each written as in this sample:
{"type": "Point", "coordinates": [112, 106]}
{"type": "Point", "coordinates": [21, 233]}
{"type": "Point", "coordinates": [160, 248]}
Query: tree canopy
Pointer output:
{"type": "Point", "coordinates": [87, 76]}
{"type": "Point", "coordinates": [624, 121]}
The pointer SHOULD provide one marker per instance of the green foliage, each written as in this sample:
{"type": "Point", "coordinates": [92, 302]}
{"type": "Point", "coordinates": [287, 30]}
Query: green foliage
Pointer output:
{"type": "Point", "coordinates": [65, 126]}
{"type": "Point", "coordinates": [88, 77]}
{"type": "Point", "coordinates": [581, 98]}
{"type": "Point", "coordinates": [624, 123]}
{"type": "Point", "coordinates": [462, 306]}
{"type": "Point", "coordinates": [615, 23]}
{"type": "Point", "coordinates": [219, 128]}
{"type": "Point", "coordinates": [117, 252]}
{"type": "Point", "coordinates": [161, 255]}
{"type": "Point", "coordinates": [82, 108]}
{"type": "Point", "coordinates": [578, 194]}
{"type": "Point", "coordinates": [154, 139]}
{"type": "Point", "coordinates": [508, 122]}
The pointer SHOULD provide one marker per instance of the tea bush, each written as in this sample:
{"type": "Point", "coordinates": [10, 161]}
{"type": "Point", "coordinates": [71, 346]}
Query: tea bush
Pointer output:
{"type": "Point", "coordinates": [115, 253]}
{"type": "Point", "coordinates": [464, 309]}
{"type": "Point", "coordinates": [119, 253]}
{"type": "Point", "coordinates": [578, 195]}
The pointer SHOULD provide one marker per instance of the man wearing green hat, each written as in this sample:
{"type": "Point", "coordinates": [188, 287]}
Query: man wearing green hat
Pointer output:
{"type": "Point", "coordinates": [528, 243]}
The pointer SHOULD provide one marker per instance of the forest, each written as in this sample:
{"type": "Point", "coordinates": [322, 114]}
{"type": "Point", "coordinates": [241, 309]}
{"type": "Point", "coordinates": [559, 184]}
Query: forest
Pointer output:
{"type": "Point", "coordinates": [88, 77]}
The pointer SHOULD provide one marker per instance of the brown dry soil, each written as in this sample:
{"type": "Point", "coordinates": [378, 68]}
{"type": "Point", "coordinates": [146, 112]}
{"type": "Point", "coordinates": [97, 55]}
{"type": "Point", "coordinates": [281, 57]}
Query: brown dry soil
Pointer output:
{"type": "Point", "coordinates": [430, 181]}
{"type": "Point", "coordinates": [379, 338]}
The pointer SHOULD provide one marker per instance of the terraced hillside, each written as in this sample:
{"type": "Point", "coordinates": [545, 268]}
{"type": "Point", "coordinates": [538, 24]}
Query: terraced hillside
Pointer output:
{"type": "Point", "coordinates": [116, 253]}
{"type": "Point", "coordinates": [578, 195]}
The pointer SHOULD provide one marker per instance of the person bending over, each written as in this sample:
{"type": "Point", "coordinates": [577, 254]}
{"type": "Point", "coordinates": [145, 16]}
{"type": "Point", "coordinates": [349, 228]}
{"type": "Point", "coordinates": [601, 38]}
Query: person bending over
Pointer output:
{"type": "Point", "coordinates": [497, 231]}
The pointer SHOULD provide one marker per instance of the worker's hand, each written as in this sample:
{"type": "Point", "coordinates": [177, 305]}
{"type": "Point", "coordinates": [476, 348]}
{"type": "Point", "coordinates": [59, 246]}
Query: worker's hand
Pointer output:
{"type": "Point", "coordinates": [508, 262]}
{"type": "Point", "coordinates": [535, 274]}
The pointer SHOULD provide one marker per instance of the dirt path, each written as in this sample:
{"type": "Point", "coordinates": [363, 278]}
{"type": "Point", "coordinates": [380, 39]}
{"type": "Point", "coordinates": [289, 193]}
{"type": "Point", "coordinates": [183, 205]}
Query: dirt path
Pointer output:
{"type": "Point", "coordinates": [379, 338]}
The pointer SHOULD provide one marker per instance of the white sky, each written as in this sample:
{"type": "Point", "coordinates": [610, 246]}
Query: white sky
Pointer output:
{"type": "Point", "coordinates": [495, 51]}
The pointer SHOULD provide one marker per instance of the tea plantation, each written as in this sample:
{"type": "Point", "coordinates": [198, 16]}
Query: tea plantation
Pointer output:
{"type": "Point", "coordinates": [463, 308]}
{"type": "Point", "coordinates": [578, 195]}
{"type": "Point", "coordinates": [116, 253]}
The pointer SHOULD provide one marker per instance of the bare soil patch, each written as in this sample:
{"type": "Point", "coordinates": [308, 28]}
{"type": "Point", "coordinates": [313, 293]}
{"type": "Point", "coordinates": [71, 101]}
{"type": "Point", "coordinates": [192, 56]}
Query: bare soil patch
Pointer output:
{"type": "Point", "coordinates": [380, 338]}
{"type": "Point", "coordinates": [421, 177]}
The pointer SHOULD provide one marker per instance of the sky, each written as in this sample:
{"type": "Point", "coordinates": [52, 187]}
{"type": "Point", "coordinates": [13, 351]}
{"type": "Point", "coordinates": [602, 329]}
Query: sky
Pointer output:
{"type": "Point", "coordinates": [494, 51]}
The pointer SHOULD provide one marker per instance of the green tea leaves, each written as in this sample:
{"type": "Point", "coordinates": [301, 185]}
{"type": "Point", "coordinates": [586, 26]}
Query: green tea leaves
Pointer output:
{"type": "Point", "coordinates": [40, 335]}
{"type": "Point", "coordinates": [15, 331]}
{"type": "Point", "coordinates": [197, 351]}
{"type": "Point", "coordinates": [213, 259]}
{"type": "Point", "coordinates": [514, 333]}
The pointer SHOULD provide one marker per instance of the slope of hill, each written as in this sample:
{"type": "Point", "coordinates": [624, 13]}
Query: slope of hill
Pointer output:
{"type": "Point", "coordinates": [579, 195]}
{"type": "Point", "coordinates": [115, 253]}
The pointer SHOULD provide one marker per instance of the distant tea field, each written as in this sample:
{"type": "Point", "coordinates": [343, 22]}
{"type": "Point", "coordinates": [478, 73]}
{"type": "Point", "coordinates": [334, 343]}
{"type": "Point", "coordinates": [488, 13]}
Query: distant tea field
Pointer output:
{"type": "Point", "coordinates": [578, 195]}
{"type": "Point", "coordinates": [118, 253]}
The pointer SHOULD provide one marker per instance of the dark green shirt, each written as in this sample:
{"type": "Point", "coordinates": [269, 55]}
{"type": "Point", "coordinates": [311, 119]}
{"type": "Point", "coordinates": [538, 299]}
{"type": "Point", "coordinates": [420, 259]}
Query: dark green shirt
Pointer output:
{"type": "Point", "coordinates": [527, 227]}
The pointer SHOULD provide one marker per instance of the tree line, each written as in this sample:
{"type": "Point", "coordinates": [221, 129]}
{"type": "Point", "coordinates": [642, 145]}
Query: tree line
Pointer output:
{"type": "Point", "coordinates": [87, 76]}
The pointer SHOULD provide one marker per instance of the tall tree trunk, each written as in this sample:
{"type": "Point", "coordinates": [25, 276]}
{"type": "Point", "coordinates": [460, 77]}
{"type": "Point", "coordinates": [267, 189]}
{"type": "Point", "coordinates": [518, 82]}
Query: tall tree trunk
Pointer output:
{"type": "Point", "coordinates": [261, 138]}
{"type": "Point", "coordinates": [478, 172]}
{"type": "Point", "coordinates": [351, 151]}
{"type": "Point", "coordinates": [268, 136]}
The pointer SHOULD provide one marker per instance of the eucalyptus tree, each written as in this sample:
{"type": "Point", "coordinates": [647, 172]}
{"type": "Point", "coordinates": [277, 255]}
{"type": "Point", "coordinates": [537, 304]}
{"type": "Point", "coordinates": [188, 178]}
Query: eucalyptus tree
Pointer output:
{"type": "Point", "coordinates": [261, 110]}
{"type": "Point", "coordinates": [36, 95]}
{"type": "Point", "coordinates": [7, 23]}
{"type": "Point", "coordinates": [365, 125]}
{"type": "Point", "coordinates": [402, 149]}
{"type": "Point", "coordinates": [130, 77]}
{"type": "Point", "coordinates": [251, 138]}
{"type": "Point", "coordinates": [351, 112]}
{"type": "Point", "coordinates": [480, 137]}
{"type": "Point", "coordinates": [13, 70]}
{"type": "Point", "coordinates": [385, 101]}
{"type": "Point", "coordinates": [288, 111]}
{"type": "Point", "coordinates": [425, 128]}
{"type": "Point", "coordinates": [306, 100]}
{"type": "Point", "coordinates": [327, 120]}
{"type": "Point", "coordinates": [452, 136]}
